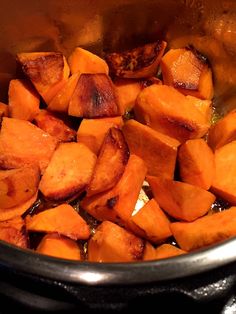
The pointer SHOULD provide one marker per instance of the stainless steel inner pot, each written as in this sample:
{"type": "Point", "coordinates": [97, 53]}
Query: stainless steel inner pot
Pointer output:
{"type": "Point", "coordinates": [101, 26]}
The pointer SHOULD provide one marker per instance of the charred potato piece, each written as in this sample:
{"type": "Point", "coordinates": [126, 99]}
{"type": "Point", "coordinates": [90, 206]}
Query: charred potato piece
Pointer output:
{"type": "Point", "coordinates": [94, 97]}
{"type": "Point", "coordinates": [13, 231]}
{"type": "Point", "coordinates": [140, 62]}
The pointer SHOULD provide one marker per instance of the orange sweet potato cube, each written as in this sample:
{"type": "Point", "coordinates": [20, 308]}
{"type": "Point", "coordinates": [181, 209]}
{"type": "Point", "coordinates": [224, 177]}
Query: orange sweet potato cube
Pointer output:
{"type": "Point", "coordinates": [84, 61]}
{"type": "Point", "coordinates": [168, 111]}
{"type": "Point", "coordinates": [94, 97]}
{"type": "Point", "coordinates": [112, 243]}
{"type": "Point", "coordinates": [158, 151]}
{"type": "Point", "coordinates": [203, 105]}
{"type": "Point", "coordinates": [23, 100]}
{"type": "Point", "coordinates": [68, 173]}
{"type": "Point", "coordinates": [13, 232]}
{"type": "Point", "coordinates": [22, 143]}
{"type": "Point", "coordinates": [48, 71]}
{"type": "Point", "coordinates": [62, 219]}
{"type": "Point", "coordinates": [168, 250]}
{"type": "Point", "coordinates": [4, 110]}
{"type": "Point", "coordinates": [91, 132]}
{"type": "Point", "coordinates": [196, 163]}
{"type": "Point", "coordinates": [54, 126]}
{"type": "Point", "coordinates": [152, 220]}
{"type": "Point", "coordinates": [149, 252]}
{"type": "Point", "coordinates": [181, 200]}
{"type": "Point", "coordinates": [58, 246]}
{"type": "Point", "coordinates": [187, 71]}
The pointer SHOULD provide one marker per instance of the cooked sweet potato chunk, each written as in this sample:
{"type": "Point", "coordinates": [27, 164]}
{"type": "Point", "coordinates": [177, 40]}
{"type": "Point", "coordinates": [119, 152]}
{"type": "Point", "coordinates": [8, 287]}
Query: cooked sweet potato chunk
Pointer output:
{"type": "Point", "coordinates": [84, 61]}
{"type": "Point", "coordinates": [181, 200]}
{"type": "Point", "coordinates": [48, 71]}
{"type": "Point", "coordinates": [94, 97]}
{"type": "Point", "coordinates": [60, 102]}
{"type": "Point", "coordinates": [18, 185]}
{"type": "Point", "coordinates": [10, 213]}
{"type": "Point", "coordinates": [4, 110]}
{"type": "Point", "coordinates": [224, 181]}
{"type": "Point", "coordinates": [23, 100]}
{"type": "Point", "coordinates": [112, 243]}
{"type": "Point", "coordinates": [54, 126]}
{"type": "Point", "coordinates": [62, 219]}
{"type": "Point", "coordinates": [13, 231]}
{"type": "Point", "coordinates": [188, 72]}
{"type": "Point", "coordinates": [223, 132]}
{"type": "Point", "coordinates": [166, 110]}
{"type": "Point", "coordinates": [152, 220]}
{"type": "Point", "coordinates": [204, 106]}
{"type": "Point", "coordinates": [111, 162]}
{"type": "Point", "coordinates": [168, 250]}
{"type": "Point", "coordinates": [139, 62]}
{"type": "Point", "coordinates": [119, 202]}
{"type": "Point", "coordinates": [68, 173]}
{"type": "Point", "coordinates": [23, 143]}
{"type": "Point", "coordinates": [59, 246]}
{"type": "Point", "coordinates": [92, 131]}
{"type": "Point", "coordinates": [196, 163]}
{"type": "Point", "coordinates": [159, 151]}
{"type": "Point", "coordinates": [205, 231]}
{"type": "Point", "coordinates": [149, 252]}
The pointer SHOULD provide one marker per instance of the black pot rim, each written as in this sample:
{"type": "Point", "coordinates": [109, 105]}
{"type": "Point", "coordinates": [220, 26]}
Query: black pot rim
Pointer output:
{"type": "Point", "coordinates": [101, 274]}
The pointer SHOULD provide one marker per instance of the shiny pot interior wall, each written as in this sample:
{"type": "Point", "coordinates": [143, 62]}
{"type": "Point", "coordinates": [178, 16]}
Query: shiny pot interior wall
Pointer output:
{"type": "Point", "coordinates": [102, 25]}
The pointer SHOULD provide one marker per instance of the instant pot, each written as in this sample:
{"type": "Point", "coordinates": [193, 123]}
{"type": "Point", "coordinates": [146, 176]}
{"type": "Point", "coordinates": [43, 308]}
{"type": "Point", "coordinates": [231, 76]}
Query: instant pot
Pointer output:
{"type": "Point", "coordinates": [200, 281]}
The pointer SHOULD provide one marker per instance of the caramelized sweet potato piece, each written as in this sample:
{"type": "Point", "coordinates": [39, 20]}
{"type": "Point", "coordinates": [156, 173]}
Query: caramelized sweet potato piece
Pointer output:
{"type": "Point", "coordinates": [94, 97]}
{"type": "Point", "coordinates": [48, 71]}
{"type": "Point", "coordinates": [181, 200]}
{"type": "Point", "coordinates": [140, 62]}
{"type": "Point", "coordinates": [60, 102]}
{"type": "Point", "coordinates": [112, 243]}
{"type": "Point", "coordinates": [149, 252]}
{"type": "Point", "coordinates": [166, 110]}
{"type": "Point", "coordinates": [59, 246]}
{"type": "Point", "coordinates": [159, 151]}
{"type": "Point", "coordinates": [68, 173]}
{"type": "Point", "coordinates": [23, 100]}
{"type": "Point", "coordinates": [62, 219]}
{"type": "Point", "coordinates": [23, 143]}
{"type": "Point", "coordinates": [4, 110]}
{"type": "Point", "coordinates": [111, 162]}
{"type": "Point", "coordinates": [9, 213]}
{"type": "Point", "coordinates": [119, 202]}
{"type": "Point", "coordinates": [92, 131]}
{"type": "Point", "coordinates": [18, 185]}
{"type": "Point", "coordinates": [205, 231]}
{"type": "Point", "coordinates": [84, 61]}
{"type": "Point", "coordinates": [204, 106]}
{"type": "Point", "coordinates": [196, 163]}
{"type": "Point", "coordinates": [224, 181]}
{"type": "Point", "coordinates": [188, 72]}
{"type": "Point", "coordinates": [54, 126]}
{"type": "Point", "coordinates": [152, 220]}
{"type": "Point", "coordinates": [168, 250]}
{"type": "Point", "coordinates": [223, 132]}
{"type": "Point", "coordinates": [13, 232]}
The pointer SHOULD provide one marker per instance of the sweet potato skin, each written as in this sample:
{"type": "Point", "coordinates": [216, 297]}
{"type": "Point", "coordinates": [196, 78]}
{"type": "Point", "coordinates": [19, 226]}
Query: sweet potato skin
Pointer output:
{"type": "Point", "coordinates": [84, 61]}
{"type": "Point", "coordinates": [205, 231]}
{"type": "Point", "coordinates": [112, 243]}
{"type": "Point", "coordinates": [153, 221]}
{"type": "Point", "coordinates": [23, 100]}
{"type": "Point", "coordinates": [157, 150]}
{"type": "Point", "coordinates": [59, 246]}
{"type": "Point", "coordinates": [54, 126]}
{"type": "Point", "coordinates": [181, 200]}
{"type": "Point", "coordinates": [62, 219]}
{"type": "Point", "coordinates": [68, 173]}
{"type": "Point", "coordinates": [111, 162]}
{"type": "Point", "coordinates": [92, 131]}
{"type": "Point", "coordinates": [18, 185]}
{"type": "Point", "coordinates": [94, 97]}
{"type": "Point", "coordinates": [22, 143]}
{"type": "Point", "coordinates": [196, 163]}
{"type": "Point", "coordinates": [140, 62]}
{"type": "Point", "coordinates": [13, 232]}
{"type": "Point", "coordinates": [156, 107]}
{"type": "Point", "coordinates": [224, 180]}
